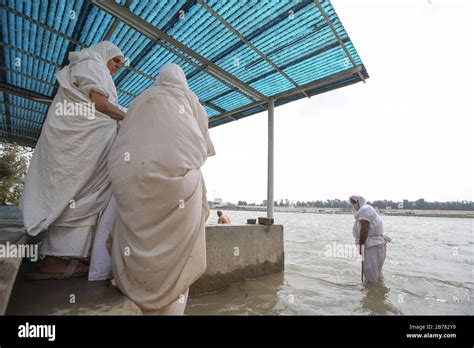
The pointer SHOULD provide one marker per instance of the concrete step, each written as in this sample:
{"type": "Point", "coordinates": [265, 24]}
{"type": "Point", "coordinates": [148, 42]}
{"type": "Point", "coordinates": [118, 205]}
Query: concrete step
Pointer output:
{"type": "Point", "coordinates": [10, 215]}
{"type": "Point", "coordinates": [9, 266]}
{"type": "Point", "coordinates": [75, 296]}
{"type": "Point", "coordinates": [12, 234]}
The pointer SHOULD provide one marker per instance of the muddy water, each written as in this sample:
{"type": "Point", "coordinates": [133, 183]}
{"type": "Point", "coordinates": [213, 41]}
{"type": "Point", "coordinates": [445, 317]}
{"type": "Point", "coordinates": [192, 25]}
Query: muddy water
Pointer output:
{"type": "Point", "coordinates": [428, 270]}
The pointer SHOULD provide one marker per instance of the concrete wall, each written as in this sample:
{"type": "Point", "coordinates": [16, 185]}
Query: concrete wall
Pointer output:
{"type": "Point", "coordinates": [9, 266]}
{"type": "Point", "coordinates": [11, 232]}
{"type": "Point", "coordinates": [10, 215]}
{"type": "Point", "coordinates": [239, 252]}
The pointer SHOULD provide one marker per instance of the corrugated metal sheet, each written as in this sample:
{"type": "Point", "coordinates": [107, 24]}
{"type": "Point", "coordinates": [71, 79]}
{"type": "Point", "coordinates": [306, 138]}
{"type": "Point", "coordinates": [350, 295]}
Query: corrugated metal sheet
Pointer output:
{"type": "Point", "coordinates": [37, 35]}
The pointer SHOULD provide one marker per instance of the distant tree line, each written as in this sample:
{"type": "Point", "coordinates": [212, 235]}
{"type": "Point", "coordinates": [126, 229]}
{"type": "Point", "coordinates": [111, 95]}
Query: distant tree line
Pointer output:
{"type": "Point", "coordinates": [419, 204]}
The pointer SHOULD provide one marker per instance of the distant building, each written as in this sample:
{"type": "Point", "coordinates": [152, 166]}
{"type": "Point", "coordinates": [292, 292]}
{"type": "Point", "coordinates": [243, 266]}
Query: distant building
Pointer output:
{"type": "Point", "coordinates": [217, 203]}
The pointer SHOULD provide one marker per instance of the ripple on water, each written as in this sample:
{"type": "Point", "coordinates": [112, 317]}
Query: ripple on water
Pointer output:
{"type": "Point", "coordinates": [421, 275]}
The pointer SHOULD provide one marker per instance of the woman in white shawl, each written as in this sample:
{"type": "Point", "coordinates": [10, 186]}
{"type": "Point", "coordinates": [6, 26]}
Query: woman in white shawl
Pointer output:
{"type": "Point", "coordinates": [67, 185]}
{"type": "Point", "coordinates": [370, 238]}
{"type": "Point", "coordinates": [158, 247]}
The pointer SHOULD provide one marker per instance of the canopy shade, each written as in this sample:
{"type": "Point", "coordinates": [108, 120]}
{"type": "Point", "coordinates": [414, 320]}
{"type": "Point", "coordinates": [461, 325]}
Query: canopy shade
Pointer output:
{"type": "Point", "coordinates": [237, 55]}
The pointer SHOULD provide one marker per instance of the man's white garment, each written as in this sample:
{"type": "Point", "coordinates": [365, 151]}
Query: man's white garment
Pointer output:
{"type": "Point", "coordinates": [101, 266]}
{"type": "Point", "coordinates": [159, 247]}
{"type": "Point", "coordinates": [67, 183]}
{"type": "Point", "coordinates": [375, 246]}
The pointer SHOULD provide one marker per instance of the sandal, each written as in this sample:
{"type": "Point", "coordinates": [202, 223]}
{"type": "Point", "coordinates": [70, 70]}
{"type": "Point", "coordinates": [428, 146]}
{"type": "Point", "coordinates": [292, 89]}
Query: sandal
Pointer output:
{"type": "Point", "coordinates": [69, 272]}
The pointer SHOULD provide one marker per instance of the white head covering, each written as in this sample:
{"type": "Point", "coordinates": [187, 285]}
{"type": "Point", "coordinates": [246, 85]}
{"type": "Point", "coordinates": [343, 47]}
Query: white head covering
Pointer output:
{"type": "Point", "coordinates": [94, 76]}
{"type": "Point", "coordinates": [369, 214]}
{"type": "Point", "coordinates": [101, 52]}
{"type": "Point", "coordinates": [360, 202]}
{"type": "Point", "coordinates": [171, 75]}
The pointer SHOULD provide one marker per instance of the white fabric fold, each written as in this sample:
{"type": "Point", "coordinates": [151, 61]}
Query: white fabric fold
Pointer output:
{"type": "Point", "coordinates": [67, 182]}
{"type": "Point", "coordinates": [158, 247]}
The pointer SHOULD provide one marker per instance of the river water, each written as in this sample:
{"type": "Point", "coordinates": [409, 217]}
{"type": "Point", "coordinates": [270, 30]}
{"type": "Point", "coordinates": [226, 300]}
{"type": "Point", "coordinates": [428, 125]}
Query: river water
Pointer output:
{"type": "Point", "coordinates": [428, 270]}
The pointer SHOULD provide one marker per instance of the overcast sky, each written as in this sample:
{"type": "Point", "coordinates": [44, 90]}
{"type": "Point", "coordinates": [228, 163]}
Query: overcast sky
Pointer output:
{"type": "Point", "coordinates": [405, 134]}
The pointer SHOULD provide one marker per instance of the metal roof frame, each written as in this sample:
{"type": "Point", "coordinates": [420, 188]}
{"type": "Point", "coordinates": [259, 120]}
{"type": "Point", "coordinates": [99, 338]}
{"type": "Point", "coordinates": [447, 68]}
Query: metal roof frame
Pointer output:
{"type": "Point", "coordinates": [338, 38]}
{"type": "Point", "coordinates": [40, 24]}
{"type": "Point", "coordinates": [9, 89]}
{"type": "Point", "coordinates": [75, 42]}
{"type": "Point", "coordinates": [218, 102]}
{"type": "Point", "coordinates": [132, 20]}
{"type": "Point", "coordinates": [247, 42]}
{"type": "Point", "coordinates": [121, 11]}
{"type": "Point", "coordinates": [340, 76]}
{"type": "Point", "coordinates": [3, 76]}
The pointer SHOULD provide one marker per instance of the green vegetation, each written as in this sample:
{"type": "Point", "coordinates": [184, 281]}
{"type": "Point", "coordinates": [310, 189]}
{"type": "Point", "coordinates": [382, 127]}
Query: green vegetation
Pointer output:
{"type": "Point", "coordinates": [419, 204]}
{"type": "Point", "coordinates": [13, 166]}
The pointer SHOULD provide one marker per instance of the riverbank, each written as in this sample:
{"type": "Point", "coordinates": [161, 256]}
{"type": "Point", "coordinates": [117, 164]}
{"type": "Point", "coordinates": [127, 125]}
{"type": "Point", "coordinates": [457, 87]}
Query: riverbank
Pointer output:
{"type": "Point", "coordinates": [388, 212]}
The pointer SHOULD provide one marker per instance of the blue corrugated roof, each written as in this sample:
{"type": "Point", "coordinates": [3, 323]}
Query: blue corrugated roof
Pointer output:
{"type": "Point", "coordinates": [293, 35]}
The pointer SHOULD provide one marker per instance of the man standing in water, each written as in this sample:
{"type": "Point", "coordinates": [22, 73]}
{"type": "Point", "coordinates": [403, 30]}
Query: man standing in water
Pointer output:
{"type": "Point", "coordinates": [223, 219]}
{"type": "Point", "coordinates": [368, 234]}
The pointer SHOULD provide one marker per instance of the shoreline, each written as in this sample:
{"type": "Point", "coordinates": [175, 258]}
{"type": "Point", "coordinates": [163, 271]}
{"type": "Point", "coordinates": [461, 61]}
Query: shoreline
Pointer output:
{"type": "Point", "coordinates": [467, 214]}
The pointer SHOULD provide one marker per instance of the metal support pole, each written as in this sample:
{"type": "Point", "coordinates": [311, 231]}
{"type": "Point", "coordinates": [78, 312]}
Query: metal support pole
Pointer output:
{"type": "Point", "coordinates": [271, 106]}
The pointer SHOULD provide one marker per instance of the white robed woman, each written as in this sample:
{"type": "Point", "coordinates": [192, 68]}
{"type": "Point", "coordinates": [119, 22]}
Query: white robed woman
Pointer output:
{"type": "Point", "coordinates": [370, 239]}
{"type": "Point", "coordinates": [158, 247]}
{"type": "Point", "coordinates": [67, 184]}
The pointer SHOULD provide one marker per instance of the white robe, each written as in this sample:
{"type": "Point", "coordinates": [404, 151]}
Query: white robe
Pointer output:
{"type": "Point", "coordinates": [67, 184]}
{"type": "Point", "coordinates": [375, 248]}
{"type": "Point", "coordinates": [158, 247]}
{"type": "Point", "coordinates": [101, 266]}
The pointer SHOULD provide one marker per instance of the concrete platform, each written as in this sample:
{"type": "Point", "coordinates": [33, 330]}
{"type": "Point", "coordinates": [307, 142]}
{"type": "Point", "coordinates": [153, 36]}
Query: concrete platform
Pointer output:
{"type": "Point", "coordinates": [76, 296]}
{"type": "Point", "coordinates": [239, 252]}
{"type": "Point", "coordinates": [10, 215]}
{"type": "Point", "coordinates": [235, 253]}
{"type": "Point", "coordinates": [11, 233]}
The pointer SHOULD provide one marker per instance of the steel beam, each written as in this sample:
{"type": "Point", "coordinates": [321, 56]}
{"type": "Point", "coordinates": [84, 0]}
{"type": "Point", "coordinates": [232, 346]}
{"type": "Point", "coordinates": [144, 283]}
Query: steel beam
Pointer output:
{"type": "Point", "coordinates": [40, 98]}
{"type": "Point", "coordinates": [315, 84]}
{"type": "Point", "coordinates": [247, 42]}
{"type": "Point", "coordinates": [338, 38]}
{"type": "Point", "coordinates": [147, 29]}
